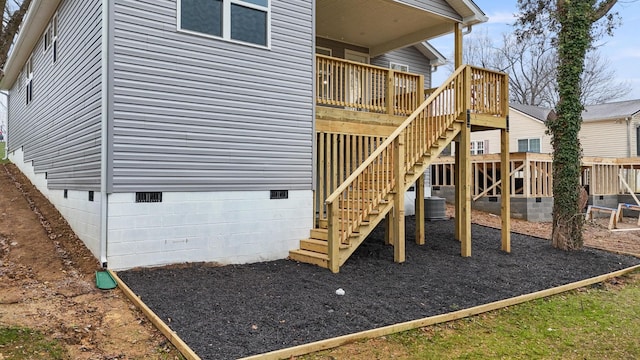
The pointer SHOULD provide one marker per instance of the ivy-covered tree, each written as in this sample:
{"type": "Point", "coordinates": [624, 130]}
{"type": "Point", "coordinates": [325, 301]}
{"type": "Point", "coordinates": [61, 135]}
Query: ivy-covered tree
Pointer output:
{"type": "Point", "coordinates": [12, 16]}
{"type": "Point", "coordinates": [575, 24]}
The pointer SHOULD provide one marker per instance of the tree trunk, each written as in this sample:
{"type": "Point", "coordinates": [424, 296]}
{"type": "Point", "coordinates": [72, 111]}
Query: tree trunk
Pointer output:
{"type": "Point", "coordinates": [573, 41]}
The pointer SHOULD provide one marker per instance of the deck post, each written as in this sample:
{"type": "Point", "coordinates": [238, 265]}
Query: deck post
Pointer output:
{"type": "Point", "coordinates": [457, 203]}
{"type": "Point", "coordinates": [390, 93]}
{"type": "Point", "coordinates": [398, 200]}
{"type": "Point", "coordinates": [457, 56]}
{"type": "Point", "coordinates": [333, 242]}
{"type": "Point", "coordinates": [505, 206]}
{"type": "Point", "coordinates": [419, 205]}
{"type": "Point", "coordinates": [465, 188]}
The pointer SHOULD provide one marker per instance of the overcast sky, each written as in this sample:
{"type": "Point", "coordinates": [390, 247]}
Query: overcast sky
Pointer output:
{"type": "Point", "coordinates": [622, 50]}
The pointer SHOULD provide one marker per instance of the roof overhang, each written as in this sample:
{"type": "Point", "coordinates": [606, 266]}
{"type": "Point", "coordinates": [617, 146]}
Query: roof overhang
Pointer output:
{"type": "Point", "coordinates": [35, 21]}
{"type": "Point", "coordinates": [430, 52]}
{"type": "Point", "coordinates": [386, 25]}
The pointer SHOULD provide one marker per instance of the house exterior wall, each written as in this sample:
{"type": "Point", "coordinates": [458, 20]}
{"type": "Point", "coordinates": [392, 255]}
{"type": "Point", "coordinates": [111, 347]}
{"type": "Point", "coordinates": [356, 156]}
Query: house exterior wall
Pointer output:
{"type": "Point", "coordinates": [409, 56]}
{"type": "Point", "coordinates": [338, 48]}
{"type": "Point", "coordinates": [193, 113]}
{"type": "Point", "coordinates": [609, 138]}
{"type": "Point", "coordinates": [521, 126]}
{"type": "Point", "coordinates": [222, 227]}
{"type": "Point", "coordinates": [59, 130]}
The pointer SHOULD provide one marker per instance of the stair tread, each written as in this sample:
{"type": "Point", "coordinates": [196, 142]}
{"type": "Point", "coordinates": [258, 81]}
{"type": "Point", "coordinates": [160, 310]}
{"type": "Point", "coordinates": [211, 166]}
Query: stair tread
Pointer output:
{"type": "Point", "coordinates": [308, 253]}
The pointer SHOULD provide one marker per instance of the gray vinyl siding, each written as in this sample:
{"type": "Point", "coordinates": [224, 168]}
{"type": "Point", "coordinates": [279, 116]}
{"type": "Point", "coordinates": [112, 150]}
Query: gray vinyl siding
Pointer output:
{"type": "Point", "coordinates": [338, 48]}
{"type": "Point", "coordinates": [417, 62]}
{"type": "Point", "coordinates": [60, 129]}
{"type": "Point", "coordinates": [193, 113]}
{"type": "Point", "coordinates": [440, 7]}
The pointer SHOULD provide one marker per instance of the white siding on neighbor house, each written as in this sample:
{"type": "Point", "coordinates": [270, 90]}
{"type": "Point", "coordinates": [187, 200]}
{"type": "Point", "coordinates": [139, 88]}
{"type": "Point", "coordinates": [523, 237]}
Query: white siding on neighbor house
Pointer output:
{"type": "Point", "coordinates": [608, 139]}
{"type": "Point", "coordinates": [522, 126]}
{"type": "Point", "coordinates": [410, 56]}
{"type": "Point", "coordinates": [223, 227]}
{"type": "Point", "coordinates": [192, 113]}
{"type": "Point", "coordinates": [440, 7]}
{"type": "Point", "coordinates": [59, 130]}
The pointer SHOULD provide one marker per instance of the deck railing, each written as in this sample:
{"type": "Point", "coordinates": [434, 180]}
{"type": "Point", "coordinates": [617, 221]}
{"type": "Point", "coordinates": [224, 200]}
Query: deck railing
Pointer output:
{"type": "Point", "coordinates": [363, 87]}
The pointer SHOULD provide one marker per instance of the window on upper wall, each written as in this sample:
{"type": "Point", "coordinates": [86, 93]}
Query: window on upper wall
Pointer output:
{"type": "Point", "coordinates": [398, 67]}
{"type": "Point", "coordinates": [529, 145]}
{"type": "Point", "coordinates": [247, 21]}
{"type": "Point", "coordinates": [51, 37]}
{"type": "Point", "coordinates": [28, 73]}
{"type": "Point", "coordinates": [54, 36]}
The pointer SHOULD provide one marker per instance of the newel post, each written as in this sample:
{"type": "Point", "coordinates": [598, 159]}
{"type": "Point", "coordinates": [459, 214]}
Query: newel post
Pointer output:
{"type": "Point", "coordinates": [390, 92]}
{"type": "Point", "coordinates": [333, 240]}
{"type": "Point", "coordinates": [398, 200]}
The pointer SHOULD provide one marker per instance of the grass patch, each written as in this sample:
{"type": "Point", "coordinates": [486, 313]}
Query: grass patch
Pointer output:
{"type": "Point", "coordinates": [601, 321]}
{"type": "Point", "coordinates": [20, 343]}
{"type": "Point", "coordinates": [2, 151]}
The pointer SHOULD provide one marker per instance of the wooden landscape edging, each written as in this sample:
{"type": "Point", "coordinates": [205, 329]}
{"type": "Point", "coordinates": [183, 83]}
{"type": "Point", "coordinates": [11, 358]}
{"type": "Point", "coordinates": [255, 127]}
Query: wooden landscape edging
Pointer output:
{"type": "Point", "coordinates": [367, 334]}
{"type": "Point", "coordinates": [414, 324]}
{"type": "Point", "coordinates": [184, 349]}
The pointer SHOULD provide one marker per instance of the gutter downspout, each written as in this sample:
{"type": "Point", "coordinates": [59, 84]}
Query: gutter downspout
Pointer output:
{"type": "Point", "coordinates": [104, 135]}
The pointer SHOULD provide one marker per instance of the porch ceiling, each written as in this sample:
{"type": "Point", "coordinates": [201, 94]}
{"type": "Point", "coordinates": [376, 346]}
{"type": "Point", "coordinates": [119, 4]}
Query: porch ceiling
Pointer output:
{"type": "Point", "coordinates": [379, 25]}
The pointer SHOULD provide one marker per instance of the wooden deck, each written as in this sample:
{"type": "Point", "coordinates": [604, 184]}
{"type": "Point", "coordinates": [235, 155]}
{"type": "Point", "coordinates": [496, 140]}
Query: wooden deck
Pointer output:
{"type": "Point", "coordinates": [531, 175]}
{"type": "Point", "coordinates": [377, 131]}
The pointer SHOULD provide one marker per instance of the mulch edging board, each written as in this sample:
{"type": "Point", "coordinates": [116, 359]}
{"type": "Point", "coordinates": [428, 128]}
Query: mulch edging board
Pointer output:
{"type": "Point", "coordinates": [238, 311]}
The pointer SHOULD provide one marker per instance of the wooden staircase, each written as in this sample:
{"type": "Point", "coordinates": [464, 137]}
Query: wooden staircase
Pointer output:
{"type": "Point", "coordinates": [365, 198]}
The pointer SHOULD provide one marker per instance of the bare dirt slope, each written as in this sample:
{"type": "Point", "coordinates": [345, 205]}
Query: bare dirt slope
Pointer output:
{"type": "Point", "coordinates": [47, 277]}
{"type": "Point", "coordinates": [47, 283]}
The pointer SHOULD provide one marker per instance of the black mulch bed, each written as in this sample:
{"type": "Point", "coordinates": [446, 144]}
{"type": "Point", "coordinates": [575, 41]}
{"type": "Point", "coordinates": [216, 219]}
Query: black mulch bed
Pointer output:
{"type": "Point", "coordinates": [240, 310]}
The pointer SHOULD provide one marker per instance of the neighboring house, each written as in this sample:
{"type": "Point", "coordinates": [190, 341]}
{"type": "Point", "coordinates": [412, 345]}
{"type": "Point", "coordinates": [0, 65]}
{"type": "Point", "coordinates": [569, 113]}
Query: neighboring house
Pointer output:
{"type": "Point", "coordinates": [181, 131]}
{"type": "Point", "coordinates": [608, 130]}
{"type": "Point", "coordinates": [611, 130]}
{"type": "Point", "coordinates": [527, 132]}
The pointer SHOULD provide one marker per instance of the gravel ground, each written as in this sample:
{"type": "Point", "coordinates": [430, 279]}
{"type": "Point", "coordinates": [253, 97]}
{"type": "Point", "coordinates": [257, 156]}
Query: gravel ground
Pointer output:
{"type": "Point", "coordinates": [240, 310]}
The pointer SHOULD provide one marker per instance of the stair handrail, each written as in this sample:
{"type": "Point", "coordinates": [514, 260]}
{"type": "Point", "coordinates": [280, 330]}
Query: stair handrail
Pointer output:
{"type": "Point", "coordinates": [394, 135]}
{"type": "Point", "coordinates": [358, 203]}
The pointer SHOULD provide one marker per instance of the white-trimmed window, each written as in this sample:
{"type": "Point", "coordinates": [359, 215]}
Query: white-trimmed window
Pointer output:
{"type": "Point", "coordinates": [28, 73]}
{"type": "Point", "coordinates": [398, 67]}
{"type": "Point", "coordinates": [247, 21]}
{"type": "Point", "coordinates": [529, 145]}
{"type": "Point", "coordinates": [51, 37]}
{"type": "Point", "coordinates": [478, 147]}
{"type": "Point", "coordinates": [324, 51]}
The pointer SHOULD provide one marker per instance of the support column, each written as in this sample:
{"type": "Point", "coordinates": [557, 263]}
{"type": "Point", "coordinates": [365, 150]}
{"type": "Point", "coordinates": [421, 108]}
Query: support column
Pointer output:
{"type": "Point", "coordinates": [465, 188]}
{"type": "Point", "coordinates": [398, 200]}
{"type": "Point", "coordinates": [457, 56]}
{"type": "Point", "coordinates": [419, 205]}
{"type": "Point", "coordinates": [505, 206]}
{"type": "Point", "coordinates": [456, 181]}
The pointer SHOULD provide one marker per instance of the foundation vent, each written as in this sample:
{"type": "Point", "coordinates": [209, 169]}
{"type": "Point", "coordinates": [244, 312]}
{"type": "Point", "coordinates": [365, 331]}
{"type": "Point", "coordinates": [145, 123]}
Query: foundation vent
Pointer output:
{"type": "Point", "coordinates": [148, 197]}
